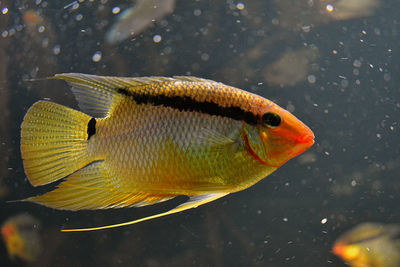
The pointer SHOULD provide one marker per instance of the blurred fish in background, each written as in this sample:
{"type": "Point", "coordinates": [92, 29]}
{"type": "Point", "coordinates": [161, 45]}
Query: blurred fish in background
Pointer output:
{"type": "Point", "coordinates": [370, 245]}
{"type": "Point", "coordinates": [21, 237]}
{"type": "Point", "coordinates": [136, 19]}
{"type": "Point", "coordinates": [350, 9]}
{"type": "Point", "coordinates": [292, 67]}
{"type": "Point", "coordinates": [42, 48]}
{"type": "Point", "coordinates": [303, 15]}
{"type": "Point", "coordinates": [294, 18]}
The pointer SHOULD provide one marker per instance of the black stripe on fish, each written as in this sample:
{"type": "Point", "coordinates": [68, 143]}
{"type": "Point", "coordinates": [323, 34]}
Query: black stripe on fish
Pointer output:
{"type": "Point", "coordinates": [91, 128]}
{"type": "Point", "coordinates": [185, 103]}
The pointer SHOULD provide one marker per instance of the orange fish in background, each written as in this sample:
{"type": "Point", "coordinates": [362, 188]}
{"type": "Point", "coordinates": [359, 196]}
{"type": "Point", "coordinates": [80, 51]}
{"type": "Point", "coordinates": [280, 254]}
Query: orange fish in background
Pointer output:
{"type": "Point", "coordinates": [21, 237]}
{"type": "Point", "coordinates": [370, 245]}
{"type": "Point", "coordinates": [141, 141]}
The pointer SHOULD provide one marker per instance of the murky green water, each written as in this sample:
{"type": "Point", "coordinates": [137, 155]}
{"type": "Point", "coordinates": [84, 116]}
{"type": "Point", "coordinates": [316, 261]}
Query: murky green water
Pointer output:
{"type": "Point", "coordinates": [338, 73]}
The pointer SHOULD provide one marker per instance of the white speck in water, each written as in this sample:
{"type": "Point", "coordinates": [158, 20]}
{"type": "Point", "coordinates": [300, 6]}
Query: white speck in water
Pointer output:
{"type": "Point", "coordinates": [311, 78]}
{"type": "Point", "coordinates": [116, 10]}
{"type": "Point", "coordinates": [386, 77]}
{"type": "Point", "coordinates": [371, 66]}
{"type": "Point", "coordinates": [56, 49]}
{"type": "Point", "coordinates": [45, 42]}
{"type": "Point", "coordinates": [4, 34]}
{"type": "Point", "coordinates": [96, 56]}
{"type": "Point", "coordinates": [329, 8]}
{"type": "Point", "coordinates": [205, 57]}
{"type": "Point", "coordinates": [306, 28]}
{"type": "Point", "coordinates": [197, 12]}
{"type": "Point", "coordinates": [290, 107]}
{"type": "Point", "coordinates": [79, 17]}
{"type": "Point", "coordinates": [357, 63]}
{"type": "Point", "coordinates": [378, 135]}
{"type": "Point", "coordinates": [344, 83]}
{"type": "Point", "coordinates": [4, 11]}
{"type": "Point", "coordinates": [157, 38]}
{"type": "Point", "coordinates": [41, 28]}
{"type": "Point", "coordinates": [324, 220]}
{"type": "Point", "coordinates": [11, 32]}
{"type": "Point", "coordinates": [240, 6]}
{"type": "Point", "coordinates": [167, 50]}
{"type": "Point", "coordinates": [285, 219]}
{"type": "Point", "coordinates": [353, 183]}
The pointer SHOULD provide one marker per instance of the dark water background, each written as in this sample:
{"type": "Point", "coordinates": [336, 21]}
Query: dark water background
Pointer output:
{"type": "Point", "coordinates": [350, 175]}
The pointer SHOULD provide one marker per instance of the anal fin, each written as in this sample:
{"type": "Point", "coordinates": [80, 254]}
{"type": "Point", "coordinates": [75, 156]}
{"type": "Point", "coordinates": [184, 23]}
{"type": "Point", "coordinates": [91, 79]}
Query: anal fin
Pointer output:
{"type": "Point", "coordinates": [193, 202]}
{"type": "Point", "coordinates": [93, 187]}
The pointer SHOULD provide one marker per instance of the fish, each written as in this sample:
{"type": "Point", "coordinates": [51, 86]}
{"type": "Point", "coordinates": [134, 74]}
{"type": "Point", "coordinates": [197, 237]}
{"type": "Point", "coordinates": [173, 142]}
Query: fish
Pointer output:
{"type": "Point", "coordinates": [138, 18]}
{"type": "Point", "coordinates": [21, 237]}
{"type": "Point", "coordinates": [142, 141]}
{"type": "Point", "coordinates": [370, 245]}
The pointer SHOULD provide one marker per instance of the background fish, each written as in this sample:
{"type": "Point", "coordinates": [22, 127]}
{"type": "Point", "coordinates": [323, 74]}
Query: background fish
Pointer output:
{"type": "Point", "coordinates": [21, 237]}
{"type": "Point", "coordinates": [370, 245]}
{"type": "Point", "coordinates": [146, 140]}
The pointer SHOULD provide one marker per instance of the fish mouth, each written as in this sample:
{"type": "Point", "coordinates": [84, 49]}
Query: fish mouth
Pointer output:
{"type": "Point", "coordinates": [307, 139]}
{"type": "Point", "coordinates": [302, 143]}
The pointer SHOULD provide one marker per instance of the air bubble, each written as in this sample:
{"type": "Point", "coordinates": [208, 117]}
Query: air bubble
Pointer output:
{"type": "Point", "coordinates": [240, 6]}
{"type": "Point", "coordinates": [357, 63]}
{"type": "Point", "coordinates": [41, 29]}
{"type": "Point", "coordinates": [311, 78]}
{"type": "Point", "coordinates": [96, 56]}
{"type": "Point", "coordinates": [116, 10]}
{"type": "Point", "coordinates": [197, 12]}
{"type": "Point", "coordinates": [157, 38]}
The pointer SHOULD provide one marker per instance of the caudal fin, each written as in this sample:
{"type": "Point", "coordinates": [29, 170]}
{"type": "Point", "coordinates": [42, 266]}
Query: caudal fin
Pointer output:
{"type": "Point", "coordinates": [54, 141]}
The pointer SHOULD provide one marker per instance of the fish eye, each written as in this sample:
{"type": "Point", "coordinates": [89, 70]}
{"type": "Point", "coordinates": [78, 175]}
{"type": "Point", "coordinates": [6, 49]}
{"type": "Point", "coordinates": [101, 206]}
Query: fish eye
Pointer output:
{"type": "Point", "coordinates": [271, 120]}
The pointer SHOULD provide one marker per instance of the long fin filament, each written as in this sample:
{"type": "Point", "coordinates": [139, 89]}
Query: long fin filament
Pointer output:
{"type": "Point", "coordinates": [193, 202]}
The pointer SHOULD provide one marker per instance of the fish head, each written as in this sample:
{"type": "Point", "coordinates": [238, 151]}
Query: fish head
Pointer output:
{"type": "Point", "coordinates": [14, 241]}
{"type": "Point", "coordinates": [280, 136]}
{"type": "Point", "coordinates": [348, 253]}
{"type": "Point", "coordinates": [8, 230]}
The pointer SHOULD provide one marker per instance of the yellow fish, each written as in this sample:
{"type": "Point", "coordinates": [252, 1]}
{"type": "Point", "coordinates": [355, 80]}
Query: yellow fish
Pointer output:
{"type": "Point", "coordinates": [141, 141]}
{"type": "Point", "coordinates": [370, 245]}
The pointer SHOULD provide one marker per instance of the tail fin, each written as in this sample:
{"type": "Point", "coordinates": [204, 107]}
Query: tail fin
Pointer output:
{"type": "Point", "coordinates": [54, 142]}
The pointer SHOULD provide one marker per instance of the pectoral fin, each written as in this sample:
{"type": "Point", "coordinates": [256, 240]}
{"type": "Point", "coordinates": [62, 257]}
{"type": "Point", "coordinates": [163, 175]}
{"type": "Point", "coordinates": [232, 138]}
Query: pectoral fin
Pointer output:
{"type": "Point", "coordinates": [193, 202]}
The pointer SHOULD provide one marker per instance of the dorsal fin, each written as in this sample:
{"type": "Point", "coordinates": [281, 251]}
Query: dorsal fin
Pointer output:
{"type": "Point", "coordinates": [95, 94]}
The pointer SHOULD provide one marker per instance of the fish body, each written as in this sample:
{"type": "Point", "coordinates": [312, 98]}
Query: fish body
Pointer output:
{"type": "Point", "coordinates": [370, 245]}
{"type": "Point", "coordinates": [141, 141]}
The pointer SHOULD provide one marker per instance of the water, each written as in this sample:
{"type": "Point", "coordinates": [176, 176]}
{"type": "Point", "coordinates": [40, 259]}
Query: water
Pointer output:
{"type": "Point", "coordinates": [343, 83]}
